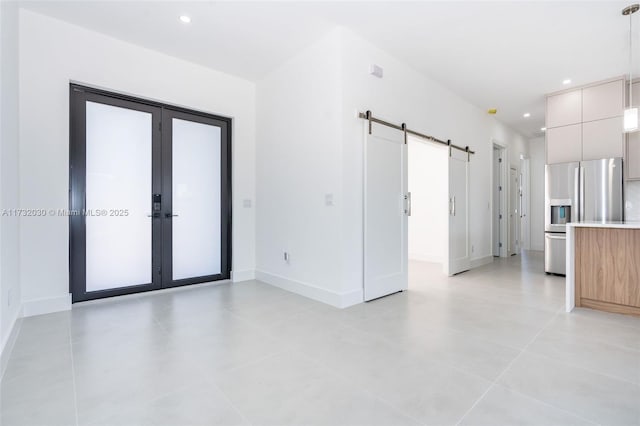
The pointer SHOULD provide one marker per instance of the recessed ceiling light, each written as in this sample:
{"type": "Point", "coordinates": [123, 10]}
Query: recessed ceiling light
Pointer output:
{"type": "Point", "coordinates": [526, 115]}
{"type": "Point", "coordinates": [544, 129]}
{"type": "Point", "coordinates": [185, 19]}
{"type": "Point", "coordinates": [566, 81]}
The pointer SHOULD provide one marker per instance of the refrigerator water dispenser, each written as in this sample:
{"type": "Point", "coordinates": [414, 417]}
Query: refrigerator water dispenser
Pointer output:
{"type": "Point", "coordinates": [560, 215]}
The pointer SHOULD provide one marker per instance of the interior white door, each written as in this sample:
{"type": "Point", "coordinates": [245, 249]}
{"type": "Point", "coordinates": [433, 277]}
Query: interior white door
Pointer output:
{"type": "Point", "coordinates": [387, 205]}
{"type": "Point", "coordinates": [459, 258]}
{"type": "Point", "coordinates": [514, 212]}
{"type": "Point", "coordinates": [525, 190]}
{"type": "Point", "coordinates": [497, 212]}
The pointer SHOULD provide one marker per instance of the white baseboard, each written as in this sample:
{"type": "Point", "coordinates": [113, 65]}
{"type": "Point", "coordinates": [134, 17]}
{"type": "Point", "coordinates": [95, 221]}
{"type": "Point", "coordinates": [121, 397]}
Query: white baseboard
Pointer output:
{"type": "Point", "coordinates": [9, 342]}
{"type": "Point", "coordinates": [49, 305]}
{"type": "Point", "coordinates": [421, 257]}
{"type": "Point", "coordinates": [480, 261]}
{"type": "Point", "coordinates": [339, 300]}
{"type": "Point", "coordinates": [245, 275]}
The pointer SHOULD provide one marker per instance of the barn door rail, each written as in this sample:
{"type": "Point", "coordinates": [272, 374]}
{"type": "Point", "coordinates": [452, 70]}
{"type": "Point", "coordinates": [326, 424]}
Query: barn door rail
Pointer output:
{"type": "Point", "coordinates": [403, 128]}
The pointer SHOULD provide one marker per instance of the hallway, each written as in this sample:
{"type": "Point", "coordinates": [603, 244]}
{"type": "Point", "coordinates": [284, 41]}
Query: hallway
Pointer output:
{"type": "Point", "coordinates": [490, 346]}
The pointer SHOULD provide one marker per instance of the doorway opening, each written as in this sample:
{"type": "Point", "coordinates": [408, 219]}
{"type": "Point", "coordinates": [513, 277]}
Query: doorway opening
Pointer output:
{"type": "Point", "coordinates": [428, 223]}
{"type": "Point", "coordinates": [499, 202]}
{"type": "Point", "coordinates": [515, 199]}
{"type": "Point", "coordinates": [149, 196]}
{"type": "Point", "coordinates": [438, 234]}
{"type": "Point", "coordinates": [438, 207]}
{"type": "Point", "coordinates": [525, 190]}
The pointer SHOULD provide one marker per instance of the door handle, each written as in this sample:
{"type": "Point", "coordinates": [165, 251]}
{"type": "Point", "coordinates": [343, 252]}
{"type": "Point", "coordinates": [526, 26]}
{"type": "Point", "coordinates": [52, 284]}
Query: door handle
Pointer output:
{"type": "Point", "coordinates": [556, 237]}
{"type": "Point", "coordinates": [170, 215]}
{"type": "Point", "coordinates": [407, 209]}
{"type": "Point", "coordinates": [154, 215]}
{"type": "Point", "coordinates": [454, 205]}
{"type": "Point", "coordinates": [581, 195]}
{"type": "Point", "coordinates": [575, 216]}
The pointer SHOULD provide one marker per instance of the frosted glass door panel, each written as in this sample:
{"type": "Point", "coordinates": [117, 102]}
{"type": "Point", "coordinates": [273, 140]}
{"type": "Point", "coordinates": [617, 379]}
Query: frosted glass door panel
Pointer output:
{"type": "Point", "coordinates": [196, 238]}
{"type": "Point", "coordinates": [118, 197]}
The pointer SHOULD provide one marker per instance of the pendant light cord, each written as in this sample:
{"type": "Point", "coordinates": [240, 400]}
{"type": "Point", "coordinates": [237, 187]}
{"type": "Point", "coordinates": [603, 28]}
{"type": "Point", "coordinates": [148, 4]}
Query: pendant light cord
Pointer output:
{"type": "Point", "coordinates": [630, 60]}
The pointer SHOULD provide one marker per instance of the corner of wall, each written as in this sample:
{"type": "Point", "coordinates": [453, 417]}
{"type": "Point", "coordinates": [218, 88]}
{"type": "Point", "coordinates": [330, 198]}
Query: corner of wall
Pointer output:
{"type": "Point", "coordinates": [244, 275]}
{"type": "Point", "coordinates": [10, 290]}
{"type": "Point", "coordinates": [481, 261]}
{"type": "Point", "coordinates": [7, 344]}
{"type": "Point", "coordinates": [47, 305]}
{"type": "Point", "coordinates": [335, 299]}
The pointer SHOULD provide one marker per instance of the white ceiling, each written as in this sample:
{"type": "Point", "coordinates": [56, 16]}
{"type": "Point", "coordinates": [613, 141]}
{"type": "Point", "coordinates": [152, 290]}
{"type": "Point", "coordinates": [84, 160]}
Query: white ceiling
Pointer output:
{"type": "Point", "coordinates": [503, 54]}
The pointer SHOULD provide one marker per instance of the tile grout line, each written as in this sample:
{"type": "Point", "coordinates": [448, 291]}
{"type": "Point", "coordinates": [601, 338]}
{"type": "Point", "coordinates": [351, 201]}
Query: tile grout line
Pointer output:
{"type": "Point", "coordinates": [576, 415]}
{"type": "Point", "coordinates": [571, 413]}
{"type": "Point", "coordinates": [612, 325]}
{"type": "Point", "coordinates": [229, 401]}
{"type": "Point", "coordinates": [588, 370]}
{"type": "Point", "coordinates": [495, 381]}
{"type": "Point", "coordinates": [372, 394]}
{"type": "Point", "coordinates": [561, 310]}
{"type": "Point", "coordinates": [356, 385]}
{"type": "Point", "coordinates": [211, 382]}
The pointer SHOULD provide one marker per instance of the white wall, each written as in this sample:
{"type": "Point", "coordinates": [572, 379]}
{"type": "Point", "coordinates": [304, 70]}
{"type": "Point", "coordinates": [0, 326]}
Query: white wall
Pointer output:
{"type": "Point", "coordinates": [536, 211]}
{"type": "Point", "coordinates": [51, 54]}
{"type": "Point", "coordinates": [9, 197]}
{"type": "Point", "coordinates": [405, 95]}
{"type": "Point", "coordinates": [299, 148]}
{"type": "Point", "coordinates": [428, 172]}
{"type": "Point", "coordinates": [301, 157]}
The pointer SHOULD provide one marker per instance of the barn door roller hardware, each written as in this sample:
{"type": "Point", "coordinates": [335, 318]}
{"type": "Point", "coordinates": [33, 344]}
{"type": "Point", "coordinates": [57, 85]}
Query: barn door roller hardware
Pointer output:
{"type": "Point", "coordinates": [403, 127]}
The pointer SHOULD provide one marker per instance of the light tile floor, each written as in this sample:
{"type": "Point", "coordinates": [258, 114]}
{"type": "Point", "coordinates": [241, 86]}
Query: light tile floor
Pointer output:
{"type": "Point", "coordinates": [488, 347]}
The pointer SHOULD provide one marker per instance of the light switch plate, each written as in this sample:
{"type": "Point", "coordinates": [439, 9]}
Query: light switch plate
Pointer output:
{"type": "Point", "coordinates": [246, 203]}
{"type": "Point", "coordinates": [376, 70]}
{"type": "Point", "coordinates": [328, 200]}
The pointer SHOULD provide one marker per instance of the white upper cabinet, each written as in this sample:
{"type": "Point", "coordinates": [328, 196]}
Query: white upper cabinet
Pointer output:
{"type": "Point", "coordinates": [602, 139]}
{"type": "Point", "coordinates": [564, 144]}
{"type": "Point", "coordinates": [564, 109]}
{"type": "Point", "coordinates": [603, 101]}
{"type": "Point", "coordinates": [586, 123]}
{"type": "Point", "coordinates": [632, 157]}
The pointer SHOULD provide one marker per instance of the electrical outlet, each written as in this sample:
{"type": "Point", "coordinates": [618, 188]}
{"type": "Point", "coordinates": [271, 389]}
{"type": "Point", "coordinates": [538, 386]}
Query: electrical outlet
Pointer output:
{"type": "Point", "coordinates": [9, 297]}
{"type": "Point", "coordinates": [472, 248]}
{"type": "Point", "coordinates": [286, 256]}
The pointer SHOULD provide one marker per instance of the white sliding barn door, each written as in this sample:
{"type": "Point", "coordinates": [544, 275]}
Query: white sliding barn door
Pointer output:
{"type": "Point", "coordinates": [459, 257]}
{"type": "Point", "coordinates": [386, 209]}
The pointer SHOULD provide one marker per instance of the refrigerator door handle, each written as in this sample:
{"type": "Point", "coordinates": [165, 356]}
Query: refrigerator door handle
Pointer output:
{"type": "Point", "coordinates": [556, 237]}
{"type": "Point", "coordinates": [581, 195]}
{"type": "Point", "coordinates": [576, 195]}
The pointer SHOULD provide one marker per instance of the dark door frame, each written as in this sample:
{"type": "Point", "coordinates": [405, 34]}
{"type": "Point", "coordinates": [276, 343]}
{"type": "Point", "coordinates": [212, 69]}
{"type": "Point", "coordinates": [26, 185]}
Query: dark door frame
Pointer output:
{"type": "Point", "coordinates": [168, 114]}
{"type": "Point", "coordinates": [161, 183]}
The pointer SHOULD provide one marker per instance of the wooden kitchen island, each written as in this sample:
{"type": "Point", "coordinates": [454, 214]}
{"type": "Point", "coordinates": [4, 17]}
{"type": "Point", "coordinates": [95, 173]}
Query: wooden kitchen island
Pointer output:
{"type": "Point", "coordinates": [603, 266]}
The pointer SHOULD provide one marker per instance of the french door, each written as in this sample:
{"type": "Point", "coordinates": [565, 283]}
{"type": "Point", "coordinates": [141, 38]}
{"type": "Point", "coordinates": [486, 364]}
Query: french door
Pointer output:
{"type": "Point", "coordinates": [149, 195]}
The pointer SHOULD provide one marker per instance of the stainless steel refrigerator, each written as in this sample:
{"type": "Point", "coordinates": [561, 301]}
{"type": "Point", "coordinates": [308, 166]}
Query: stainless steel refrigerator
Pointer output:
{"type": "Point", "coordinates": [587, 191]}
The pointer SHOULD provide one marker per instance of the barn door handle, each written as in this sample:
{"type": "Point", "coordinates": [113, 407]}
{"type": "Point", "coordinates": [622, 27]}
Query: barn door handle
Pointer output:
{"type": "Point", "coordinates": [407, 201]}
